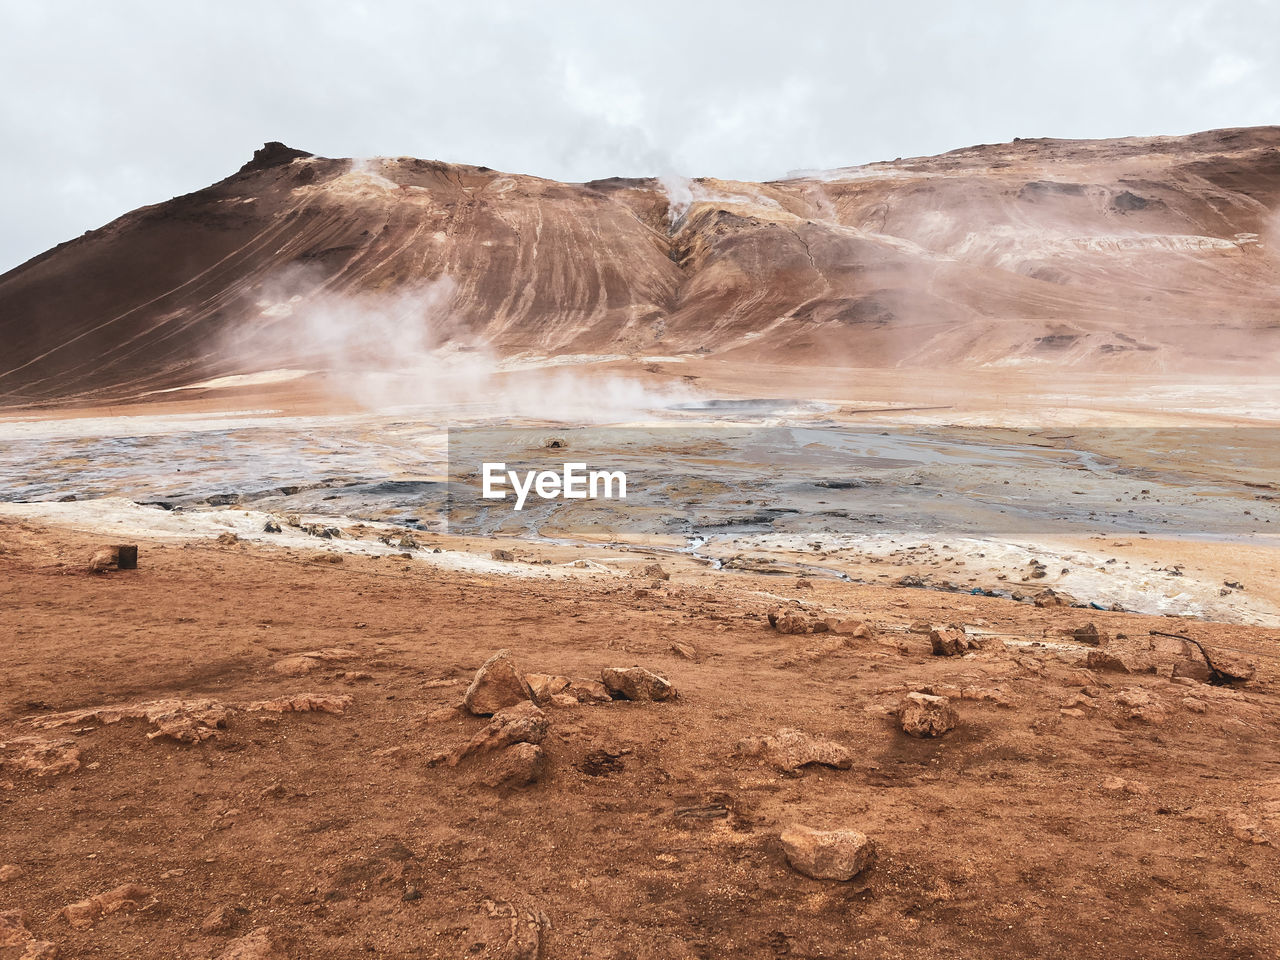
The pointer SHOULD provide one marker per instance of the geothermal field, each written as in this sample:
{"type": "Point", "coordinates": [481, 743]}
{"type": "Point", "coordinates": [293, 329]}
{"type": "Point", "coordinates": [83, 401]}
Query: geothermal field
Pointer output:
{"type": "Point", "coordinates": [940, 617]}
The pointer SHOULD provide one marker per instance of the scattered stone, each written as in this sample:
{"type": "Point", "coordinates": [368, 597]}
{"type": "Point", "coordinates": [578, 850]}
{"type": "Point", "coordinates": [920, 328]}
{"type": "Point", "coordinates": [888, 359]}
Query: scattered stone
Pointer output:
{"type": "Point", "coordinates": [498, 683]}
{"type": "Point", "coordinates": [924, 715]}
{"type": "Point", "coordinates": [1088, 634]}
{"type": "Point", "coordinates": [636, 683]}
{"type": "Point", "coordinates": [1138, 704]}
{"type": "Point", "coordinates": [827, 854]}
{"type": "Point", "coordinates": [519, 765]}
{"type": "Point", "coordinates": [85, 913]}
{"type": "Point", "coordinates": [790, 750]}
{"type": "Point", "coordinates": [952, 643]}
{"type": "Point", "coordinates": [260, 944]}
{"type": "Point", "coordinates": [546, 685]}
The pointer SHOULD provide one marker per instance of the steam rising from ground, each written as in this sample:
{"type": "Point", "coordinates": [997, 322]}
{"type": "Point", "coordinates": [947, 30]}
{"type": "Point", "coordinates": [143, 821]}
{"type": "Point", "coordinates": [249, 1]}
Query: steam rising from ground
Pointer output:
{"type": "Point", "coordinates": [407, 349]}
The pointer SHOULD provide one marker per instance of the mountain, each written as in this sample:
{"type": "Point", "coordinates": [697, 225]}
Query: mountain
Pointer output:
{"type": "Point", "coordinates": [1141, 254]}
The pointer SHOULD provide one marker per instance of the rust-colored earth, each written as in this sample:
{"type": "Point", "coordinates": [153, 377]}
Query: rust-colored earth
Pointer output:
{"type": "Point", "coordinates": [1072, 811]}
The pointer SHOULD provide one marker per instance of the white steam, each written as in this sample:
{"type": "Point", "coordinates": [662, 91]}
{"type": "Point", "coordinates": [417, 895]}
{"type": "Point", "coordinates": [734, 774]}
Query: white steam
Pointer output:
{"type": "Point", "coordinates": [406, 350]}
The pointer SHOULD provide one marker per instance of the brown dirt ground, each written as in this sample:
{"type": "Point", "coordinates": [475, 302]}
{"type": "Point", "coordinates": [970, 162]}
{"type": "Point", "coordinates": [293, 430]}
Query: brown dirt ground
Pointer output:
{"type": "Point", "coordinates": [649, 837]}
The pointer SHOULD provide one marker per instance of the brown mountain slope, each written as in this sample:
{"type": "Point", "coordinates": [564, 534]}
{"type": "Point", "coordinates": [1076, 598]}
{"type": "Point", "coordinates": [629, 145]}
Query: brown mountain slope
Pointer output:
{"type": "Point", "coordinates": [1136, 254]}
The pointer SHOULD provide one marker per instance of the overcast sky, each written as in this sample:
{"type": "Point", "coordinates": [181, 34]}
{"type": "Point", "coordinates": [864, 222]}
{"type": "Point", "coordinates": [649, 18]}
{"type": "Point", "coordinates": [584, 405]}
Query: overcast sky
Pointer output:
{"type": "Point", "coordinates": [107, 106]}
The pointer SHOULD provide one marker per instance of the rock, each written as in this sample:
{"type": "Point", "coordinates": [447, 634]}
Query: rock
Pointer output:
{"type": "Point", "coordinates": [588, 691]}
{"type": "Point", "coordinates": [651, 571]}
{"type": "Point", "coordinates": [1131, 787]}
{"type": "Point", "coordinates": [9, 872]}
{"type": "Point", "coordinates": [636, 683]}
{"type": "Point", "coordinates": [301, 664]}
{"type": "Point", "coordinates": [952, 643]}
{"type": "Point", "coordinates": [1194, 705]}
{"type": "Point", "coordinates": [86, 913]}
{"type": "Point", "coordinates": [272, 525]}
{"type": "Point", "coordinates": [454, 711]}
{"type": "Point", "coordinates": [1118, 661]}
{"type": "Point", "coordinates": [1247, 830]}
{"type": "Point", "coordinates": [1232, 665]}
{"type": "Point", "coordinates": [850, 628]}
{"type": "Point", "coordinates": [13, 928]}
{"type": "Point", "coordinates": [790, 750]}
{"type": "Point", "coordinates": [804, 583]}
{"type": "Point", "coordinates": [827, 854]}
{"type": "Point", "coordinates": [260, 944]}
{"type": "Point", "coordinates": [1088, 634]}
{"type": "Point", "coordinates": [522, 723]}
{"type": "Point", "coordinates": [221, 920]}
{"type": "Point", "coordinates": [791, 621]}
{"type": "Point", "coordinates": [521, 932]}
{"type": "Point", "coordinates": [39, 756]}
{"type": "Point", "coordinates": [301, 703]}
{"type": "Point", "coordinates": [923, 715]}
{"type": "Point", "coordinates": [1138, 704]}
{"type": "Point", "coordinates": [920, 626]}
{"type": "Point", "coordinates": [1047, 598]}
{"type": "Point", "coordinates": [506, 556]}
{"type": "Point", "coordinates": [228, 539]}
{"type": "Point", "coordinates": [498, 683]}
{"type": "Point", "coordinates": [685, 650]}
{"type": "Point", "coordinates": [546, 685]}
{"type": "Point", "coordinates": [40, 950]}
{"type": "Point", "coordinates": [518, 765]}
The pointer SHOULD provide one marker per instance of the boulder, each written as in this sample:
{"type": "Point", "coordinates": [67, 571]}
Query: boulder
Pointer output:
{"type": "Point", "coordinates": [924, 715]}
{"type": "Point", "coordinates": [1231, 665]}
{"type": "Point", "coordinates": [498, 683]}
{"type": "Point", "coordinates": [636, 683]}
{"type": "Point", "coordinates": [1047, 598]}
{"type": "Point", "coordinates": [827, 854]}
